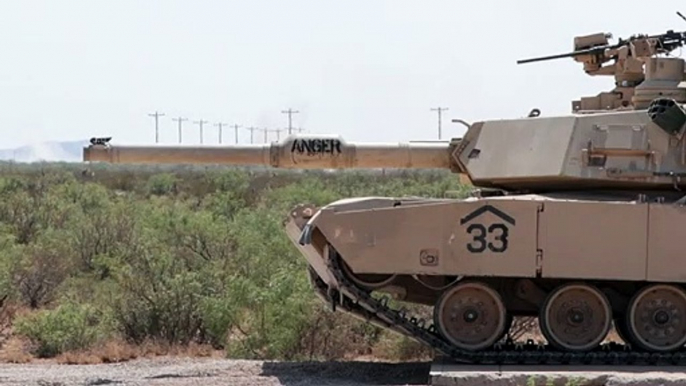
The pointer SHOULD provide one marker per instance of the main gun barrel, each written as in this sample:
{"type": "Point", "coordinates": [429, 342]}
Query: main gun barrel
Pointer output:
{"type": "Point", "coordinates": [294, 152]}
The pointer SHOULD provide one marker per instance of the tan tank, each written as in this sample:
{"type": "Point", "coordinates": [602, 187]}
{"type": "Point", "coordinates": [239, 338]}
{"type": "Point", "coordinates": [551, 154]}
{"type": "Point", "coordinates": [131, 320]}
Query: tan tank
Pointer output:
{"type": "Point", "coordinates": [578, 220]}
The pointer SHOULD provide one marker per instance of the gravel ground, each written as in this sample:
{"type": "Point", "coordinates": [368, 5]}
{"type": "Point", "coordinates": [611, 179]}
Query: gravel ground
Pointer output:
{"type": "Point", "coordinates": [176, 371]}
{"type": "Point", "coordinates": [209, 372]}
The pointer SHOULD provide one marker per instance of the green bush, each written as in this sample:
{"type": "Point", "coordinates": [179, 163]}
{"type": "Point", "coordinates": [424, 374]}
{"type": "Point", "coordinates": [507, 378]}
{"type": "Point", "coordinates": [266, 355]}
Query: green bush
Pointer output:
{"type": "Point", "coordinates": [67, 327]}
{"type": "Point", "coordinates": [162, 184]}
{"type": "Point", "coordinates": [179, 255]}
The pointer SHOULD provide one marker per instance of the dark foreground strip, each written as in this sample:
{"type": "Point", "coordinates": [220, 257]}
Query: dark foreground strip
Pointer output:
{"type": "Point", "coordinates": [360, 303]}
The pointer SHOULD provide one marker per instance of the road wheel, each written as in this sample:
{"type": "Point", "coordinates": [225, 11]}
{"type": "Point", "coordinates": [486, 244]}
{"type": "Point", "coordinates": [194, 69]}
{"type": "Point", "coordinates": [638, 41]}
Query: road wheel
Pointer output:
{"type": "Point", "coordinates": [657, 318]}
{"type": "Point", "coordinates": [471, 316]}
{"type": "Point", "coordinates": [575, 317]}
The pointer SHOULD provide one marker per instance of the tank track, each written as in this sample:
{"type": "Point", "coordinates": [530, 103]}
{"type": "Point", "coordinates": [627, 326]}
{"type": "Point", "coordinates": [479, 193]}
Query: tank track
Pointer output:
{"type": "Point", "coordinates": [360, 303]}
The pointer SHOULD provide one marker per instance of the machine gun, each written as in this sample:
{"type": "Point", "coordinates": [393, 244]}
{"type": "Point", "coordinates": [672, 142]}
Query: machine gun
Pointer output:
{"type": "Point", "coordinates": [640, 76]}
{"type": "Point", "coordinates": [656, 44]}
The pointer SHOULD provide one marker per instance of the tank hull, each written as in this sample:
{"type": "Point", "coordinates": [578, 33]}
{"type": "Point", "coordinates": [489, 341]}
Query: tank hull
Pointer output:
{"type": "Point", "coordinates": [518, 236]}
{"type": "Point", "coordinates": [527, 249]}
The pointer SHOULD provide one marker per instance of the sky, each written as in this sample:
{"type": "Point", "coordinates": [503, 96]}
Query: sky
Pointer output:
{"type": "Point", "coordinates": [367, 70]}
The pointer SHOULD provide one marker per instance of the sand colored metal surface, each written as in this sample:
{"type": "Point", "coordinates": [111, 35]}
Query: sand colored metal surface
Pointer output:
{"type": "Point", "coordinates": [295, 152]}
{"type": "Point", "coordinates": [576, 220]}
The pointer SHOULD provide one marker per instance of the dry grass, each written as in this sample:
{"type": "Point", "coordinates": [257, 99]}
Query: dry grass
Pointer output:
{"type": "Point", "coordinates": [110, 352]}
{"type": "Point", "coordinates": [15, 350]}
{"type": "Point", "coordinates": [391, 347]}
{"type": "Point", "coordinates": [118, 351]}
{"type": "Point", "coordinates": [18, 350]}
{"type": "Point", "coordinates": [399, 348]}
{"type": "Point", "coordinates": [7, 314]}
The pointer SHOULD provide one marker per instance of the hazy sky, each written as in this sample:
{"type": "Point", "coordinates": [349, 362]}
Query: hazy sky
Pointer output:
{"type": "Point", "coordinates": [368, 70]}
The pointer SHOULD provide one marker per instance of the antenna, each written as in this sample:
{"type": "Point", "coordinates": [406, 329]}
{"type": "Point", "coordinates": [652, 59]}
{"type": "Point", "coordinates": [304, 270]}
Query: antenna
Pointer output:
{"type": "Point", "coordinates": [680, 15]}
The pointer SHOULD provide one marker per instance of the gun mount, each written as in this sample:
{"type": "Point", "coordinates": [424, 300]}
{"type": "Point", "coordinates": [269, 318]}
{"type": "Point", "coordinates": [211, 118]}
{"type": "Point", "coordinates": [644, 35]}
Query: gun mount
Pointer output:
{"type": "Point", "coordinates": [583, 233]}
{"type": "Point", "coordinates": [639, 75]}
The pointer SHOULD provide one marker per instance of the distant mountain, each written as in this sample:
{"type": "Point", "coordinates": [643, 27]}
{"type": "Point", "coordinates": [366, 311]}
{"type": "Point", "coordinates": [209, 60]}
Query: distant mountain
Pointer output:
{"type": "Point", "coordinates": [53, 151]}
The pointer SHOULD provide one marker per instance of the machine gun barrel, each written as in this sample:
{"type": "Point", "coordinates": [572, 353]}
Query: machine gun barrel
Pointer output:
{"type": "Point", "coordinates": [667, 42]}
{"type": "Point", "coordinates": [294, 152]}
{"type": "Point", "coordinates": [572, 54]}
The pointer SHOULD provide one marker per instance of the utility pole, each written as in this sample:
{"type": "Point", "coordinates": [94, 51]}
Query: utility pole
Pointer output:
{"type": "Point", "coordinates": [235, 131]}
{"type": "Point", "coordinates": [266, 139]}
{"type": "Point", "coordinates": [220, 124]}
{"type": "Point", "coordinates": [440, 110]}
{"type": "Point", "coordinates": [179, 120]}
{"type": "Point", "coordinates": [252, 132]}
{"type": "Point", "coordinates": [290, 113]}
{"type": "Point", "coordinates": [278, 133]}
{"type": "Point", "coordinates": [157, 127]}
{"type": "Point", "coordinates": [200, 122]}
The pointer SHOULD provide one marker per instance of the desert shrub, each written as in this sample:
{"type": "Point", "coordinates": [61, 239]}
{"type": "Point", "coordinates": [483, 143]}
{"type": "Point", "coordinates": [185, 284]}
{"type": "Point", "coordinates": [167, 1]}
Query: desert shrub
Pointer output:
{"type": "Point", "coordinates": [67, 327]}
{"type": "Point", "coordinates": [329, 336]}
{"type": "Point", "coordinates": [228, 193]}
{"type": "Point", "coordinates": [162, 184]}
{"type": "Point", "coordinates": [177, 258]}
{"type": "Point", "coordinates": [181, 255]}
{"type": "Point", "coordinates": [30, 206]}
{"type": "Point", "coordinates": [98, 233]}
{"type": "Point", "coordinates": [219, 315]}
{"type": "Point", "coordinates": [159, 299]}
{"type": "Point", "coordinates": [269, 290]}
{"type": "Point", "coordinates": [7, 255]}
{"type": "Point", "coordinates": [39, 268]}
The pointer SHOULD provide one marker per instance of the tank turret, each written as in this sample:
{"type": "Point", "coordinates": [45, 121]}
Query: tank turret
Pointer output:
{"type": "Point", "coordinates": [633, 149]}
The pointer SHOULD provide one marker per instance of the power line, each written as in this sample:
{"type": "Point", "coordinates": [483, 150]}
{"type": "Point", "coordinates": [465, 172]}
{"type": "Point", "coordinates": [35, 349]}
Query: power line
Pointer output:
{"type": "Point", "coordinates": [200, 122]}
{"type": "Point", "coordinates": [157, 128]}
{"type": "Point", "coordinates": [179, 120]}
{"type": "Point", "coordinates": [235, 128]}
{"type": "Point", "coordinates": [220, 124]}
{"type": "Point", "coordinates": [290, 113]}
{"type": "Point", "coordinates": [440, 110]}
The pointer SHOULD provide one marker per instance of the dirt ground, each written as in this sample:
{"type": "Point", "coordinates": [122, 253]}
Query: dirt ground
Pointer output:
{"type": "Point", "coordinates": [176, 371]}
{"type": "Point", "coordinates": [211, 371]}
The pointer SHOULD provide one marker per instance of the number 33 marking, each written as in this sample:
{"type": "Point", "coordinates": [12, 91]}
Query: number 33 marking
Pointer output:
{"type": "Point", "coordinates": [479, 242]}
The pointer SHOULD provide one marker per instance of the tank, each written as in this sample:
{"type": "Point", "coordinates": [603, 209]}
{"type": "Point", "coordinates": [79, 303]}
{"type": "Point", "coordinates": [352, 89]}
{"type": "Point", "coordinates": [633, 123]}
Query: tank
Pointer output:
{"type": "Point", "coordinates": [574, 220]}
